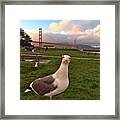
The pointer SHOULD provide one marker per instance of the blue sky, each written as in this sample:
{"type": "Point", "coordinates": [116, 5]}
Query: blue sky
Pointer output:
{"type": "Point", "coordinates": [34, 24]}
{"type": "Point", "coordinates": [84, 31]}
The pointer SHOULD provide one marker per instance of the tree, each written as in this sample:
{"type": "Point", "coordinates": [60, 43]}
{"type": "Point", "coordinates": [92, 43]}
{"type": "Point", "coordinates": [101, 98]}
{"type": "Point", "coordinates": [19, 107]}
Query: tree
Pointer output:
{"type": "Point", "coordinates": [25, 41]}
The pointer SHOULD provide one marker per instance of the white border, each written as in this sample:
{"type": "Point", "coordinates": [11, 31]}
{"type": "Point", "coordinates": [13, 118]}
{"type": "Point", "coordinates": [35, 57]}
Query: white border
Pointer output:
{"type": "Point", "coordinates": [104, 106]}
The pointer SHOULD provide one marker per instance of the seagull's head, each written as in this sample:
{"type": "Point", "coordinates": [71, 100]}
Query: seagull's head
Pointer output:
{"type": "Point", "coordinates": [66, 59]}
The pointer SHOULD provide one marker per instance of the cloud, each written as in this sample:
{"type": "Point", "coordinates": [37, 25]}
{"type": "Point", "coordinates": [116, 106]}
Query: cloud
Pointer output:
{"type": "Point", "coordinates": [33, 34]}
{"type": "Point", "coordinates": [89, 36]}
{"type": "Point", "coordinates": [95, 31]}
{"type": "Point", "coordinates": [64, 25]}
{"type": "Point", "coordinates": [54, 27]}
{"type": "Point", "coordinates": [89, 24]}
{"type": "Point", "coordinates": [58, 26]}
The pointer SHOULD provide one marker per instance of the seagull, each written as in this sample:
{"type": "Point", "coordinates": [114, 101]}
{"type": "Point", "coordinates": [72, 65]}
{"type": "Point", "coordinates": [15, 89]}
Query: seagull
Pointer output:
{"type": "Point", "coordinates": [33, 50]}
{"type": "Point", "coordinates": [53, 84]}
{"type": "Point", "coordinates": [36, 64]}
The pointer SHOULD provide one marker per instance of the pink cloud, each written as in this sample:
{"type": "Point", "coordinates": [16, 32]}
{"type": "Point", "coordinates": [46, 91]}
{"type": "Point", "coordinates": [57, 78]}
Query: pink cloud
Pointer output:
{"type": "Point", "coordinates": [90, 35]}
{"type": "Point", "coordinates": [64, 25]}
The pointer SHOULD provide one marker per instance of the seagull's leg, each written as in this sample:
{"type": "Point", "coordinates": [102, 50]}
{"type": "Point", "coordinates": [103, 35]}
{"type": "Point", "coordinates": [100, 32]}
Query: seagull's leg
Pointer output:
{"type": "Point", "coordinates": [50, 97]}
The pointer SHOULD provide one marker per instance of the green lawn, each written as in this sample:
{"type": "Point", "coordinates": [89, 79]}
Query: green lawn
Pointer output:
{"type": "Point", "coordinates": [84, 76]}
{"type": "Point", "coordinates": [60, 52]}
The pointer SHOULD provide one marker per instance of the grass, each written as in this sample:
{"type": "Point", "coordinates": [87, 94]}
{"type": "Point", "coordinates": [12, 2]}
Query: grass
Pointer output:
{"type": "Point", "coordinates": [71, 52]}
{"type": "Point", "coordinates": [84, 77]}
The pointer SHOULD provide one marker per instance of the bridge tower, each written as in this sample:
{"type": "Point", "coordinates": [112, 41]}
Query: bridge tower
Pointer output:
{"type": "Point", "coordinates": [40, 37]}
{"type": "Point", "coordinates": [75, 43]}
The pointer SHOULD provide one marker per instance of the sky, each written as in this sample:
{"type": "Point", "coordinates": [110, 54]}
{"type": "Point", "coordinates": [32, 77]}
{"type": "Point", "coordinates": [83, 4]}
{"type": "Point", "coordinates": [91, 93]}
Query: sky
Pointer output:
{"type": "Point", "coordinates": [84, 31]}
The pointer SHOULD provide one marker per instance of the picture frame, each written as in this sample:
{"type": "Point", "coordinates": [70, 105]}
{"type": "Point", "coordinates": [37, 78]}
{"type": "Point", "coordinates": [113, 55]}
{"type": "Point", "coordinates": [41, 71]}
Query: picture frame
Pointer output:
{"type": "Point", "coordinates": [70, 2]}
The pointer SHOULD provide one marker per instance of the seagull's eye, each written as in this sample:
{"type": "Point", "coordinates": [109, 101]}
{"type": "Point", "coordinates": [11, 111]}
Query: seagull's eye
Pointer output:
{"type": "Point", "coordinates": [70, 58]}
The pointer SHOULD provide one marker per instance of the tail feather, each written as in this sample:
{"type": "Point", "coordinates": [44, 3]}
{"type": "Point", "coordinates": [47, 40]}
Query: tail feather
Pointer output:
{"type": "Point", "coordinates": [28, 89]}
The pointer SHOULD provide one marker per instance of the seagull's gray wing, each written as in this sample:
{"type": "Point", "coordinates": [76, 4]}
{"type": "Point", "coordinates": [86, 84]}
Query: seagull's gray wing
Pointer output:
{"type": "Point", "coordinates": [44, 85]}
{"type": "Point", "coordinates": [48, 79]}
